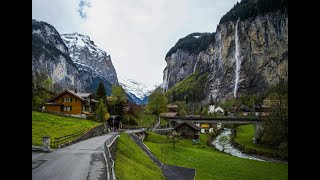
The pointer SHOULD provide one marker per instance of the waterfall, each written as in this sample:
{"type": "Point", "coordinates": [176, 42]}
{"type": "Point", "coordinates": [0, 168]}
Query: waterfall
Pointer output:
{"type": "Point", "coordinates": [165, 80]}
{"type": "Point", "coordinates": [238, 60]}
{"type": "Point", "coordinates": [220, 55]}
{"type": "Point", "coordinates": [195, 67]}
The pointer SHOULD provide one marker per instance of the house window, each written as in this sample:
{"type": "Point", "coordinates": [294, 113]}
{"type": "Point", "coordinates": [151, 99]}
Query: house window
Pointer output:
{"type": "Point", "coordinates": [83, 108]}
{"type": "Point", "coordinates": [67, 99]}
{"type": "Point", "coordinates": [89, 108]}
{"type": "Point", "coordinates": [67, 108]}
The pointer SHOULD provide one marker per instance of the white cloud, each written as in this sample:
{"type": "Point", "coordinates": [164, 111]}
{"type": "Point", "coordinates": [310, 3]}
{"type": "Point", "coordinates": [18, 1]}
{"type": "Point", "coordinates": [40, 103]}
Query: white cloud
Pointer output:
{"type": "Point", "coordinates": [137, 33]}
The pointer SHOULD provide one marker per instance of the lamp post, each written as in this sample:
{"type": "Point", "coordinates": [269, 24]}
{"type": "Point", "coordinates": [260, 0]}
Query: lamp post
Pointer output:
{"type": "Point", "coordinates": [113, 121]}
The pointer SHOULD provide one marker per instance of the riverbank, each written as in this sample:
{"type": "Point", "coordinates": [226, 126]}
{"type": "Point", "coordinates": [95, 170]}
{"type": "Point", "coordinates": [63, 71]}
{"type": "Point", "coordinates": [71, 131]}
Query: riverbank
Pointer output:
{"type": "Point", "coordinates": [229, 148]}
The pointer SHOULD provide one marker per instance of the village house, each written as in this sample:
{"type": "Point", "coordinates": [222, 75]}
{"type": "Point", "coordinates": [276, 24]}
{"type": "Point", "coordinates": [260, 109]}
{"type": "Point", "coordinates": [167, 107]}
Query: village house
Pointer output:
{"type": "Point", "coordinates": [213, 109]}
{"type": "Point", "coordinates": [71, 102]}
{"type": "Point", "coordinates": [187, 129]}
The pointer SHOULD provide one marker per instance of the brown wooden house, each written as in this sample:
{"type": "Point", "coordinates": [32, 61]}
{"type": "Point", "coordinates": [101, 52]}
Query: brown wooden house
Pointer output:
{"type": "Point", "coordinates": [71, 102]}
{"type": "Point", "coordinates": [187, 129]}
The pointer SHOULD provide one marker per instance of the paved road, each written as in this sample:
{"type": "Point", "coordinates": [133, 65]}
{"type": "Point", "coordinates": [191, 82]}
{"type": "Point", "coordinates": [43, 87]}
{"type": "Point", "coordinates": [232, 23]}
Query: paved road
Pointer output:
{"type": "Point", "coordinates": [83, 160]}
{"type": "Point", "coordinates": [157, 124]}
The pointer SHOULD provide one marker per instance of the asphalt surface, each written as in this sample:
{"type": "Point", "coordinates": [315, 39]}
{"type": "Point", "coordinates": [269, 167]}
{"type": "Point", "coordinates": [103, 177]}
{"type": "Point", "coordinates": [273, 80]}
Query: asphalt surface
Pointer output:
{"type": "Point", "coordinates": [83, 160]}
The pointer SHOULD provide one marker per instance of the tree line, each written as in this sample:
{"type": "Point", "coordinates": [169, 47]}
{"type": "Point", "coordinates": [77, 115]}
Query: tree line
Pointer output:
{"type": "Point", "coordinates": [252, 8]}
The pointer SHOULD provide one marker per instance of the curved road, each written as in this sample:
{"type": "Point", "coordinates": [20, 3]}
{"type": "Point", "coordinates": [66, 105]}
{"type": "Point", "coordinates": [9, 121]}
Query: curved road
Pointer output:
{"type": "Point", "coordinates": [83, 160]}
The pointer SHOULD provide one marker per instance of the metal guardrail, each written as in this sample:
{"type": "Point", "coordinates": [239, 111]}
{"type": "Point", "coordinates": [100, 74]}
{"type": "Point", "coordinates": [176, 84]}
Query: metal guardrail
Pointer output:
{"type": "Point", "coordinates": [59, 140]}
{"type": "Point", "coordinates": [109, 159]}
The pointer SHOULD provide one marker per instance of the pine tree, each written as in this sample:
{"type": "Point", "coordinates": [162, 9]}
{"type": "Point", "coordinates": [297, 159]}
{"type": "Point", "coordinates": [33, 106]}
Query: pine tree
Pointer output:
{"type": "Point", "coordinates": [101, 92]}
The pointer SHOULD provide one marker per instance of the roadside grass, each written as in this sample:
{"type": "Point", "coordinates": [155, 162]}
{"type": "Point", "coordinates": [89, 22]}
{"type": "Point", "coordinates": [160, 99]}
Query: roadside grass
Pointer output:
{"type": "Point", "coordinates": [245, 137]}
{"type": "Point", "coordinates": [44, 124]}
{"type": "Point", "coordinates": [210, 163]}
{"type": "Point", "coordinates": [133, 163]}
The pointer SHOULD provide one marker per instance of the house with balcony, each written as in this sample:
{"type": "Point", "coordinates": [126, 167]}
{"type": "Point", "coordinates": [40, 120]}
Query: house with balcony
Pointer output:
{"type": "Point", "coordinates": [71, 102]}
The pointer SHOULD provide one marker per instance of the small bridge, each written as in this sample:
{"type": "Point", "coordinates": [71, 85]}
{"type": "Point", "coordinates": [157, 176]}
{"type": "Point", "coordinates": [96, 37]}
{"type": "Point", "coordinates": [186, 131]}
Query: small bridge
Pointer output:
{"type": "Point", "coordinates": [172, 121]}
{"type": "Point", "coordinates": [141, 132]}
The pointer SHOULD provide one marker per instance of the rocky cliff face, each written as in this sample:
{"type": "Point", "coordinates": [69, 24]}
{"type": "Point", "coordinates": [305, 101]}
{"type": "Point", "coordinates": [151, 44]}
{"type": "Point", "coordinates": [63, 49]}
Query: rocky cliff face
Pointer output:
{"type": "Point", "coordinates": [262, 54]}
{"type": "Point", "coordinates": [89, 58]}
{"type": "Point", "coordinates": [73, 61]}
{"type": "Point", "coordinates": [94, 64]}
{"type": "Point", "coordinates": [185, 58]}
{"type": "Point", "coordinates": [50, 56]}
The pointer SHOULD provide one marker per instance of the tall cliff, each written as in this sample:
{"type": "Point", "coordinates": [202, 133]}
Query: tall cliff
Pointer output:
{"type": "Point", "coordinates": [71, 60]}
{"type": "Point", "coordinates": [94, 64]}
{"type": "Point", "coordinates": [241, 61]}
{"type": "Point", "coordinates": [50, 56]}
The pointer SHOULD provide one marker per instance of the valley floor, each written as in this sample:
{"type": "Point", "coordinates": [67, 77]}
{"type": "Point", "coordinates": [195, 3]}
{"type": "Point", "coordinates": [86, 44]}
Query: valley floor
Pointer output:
{"type": "Point", "coordinates": [210, 163]}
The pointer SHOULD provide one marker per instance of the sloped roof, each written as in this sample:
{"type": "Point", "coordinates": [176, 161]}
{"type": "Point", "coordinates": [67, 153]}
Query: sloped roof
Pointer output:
{"type": "Point", "coordinates": [192, 116]}
{"type": "Point", "coordinates": [188, 123]}
{"type": "Point", "coordinates": [78, 95]}
{"type": "Point", "coordinates": [169, 114]}
{"type": "Point", "coordinates": [84, 95]}
{"type": "Point", "coordinates": [95, 101]}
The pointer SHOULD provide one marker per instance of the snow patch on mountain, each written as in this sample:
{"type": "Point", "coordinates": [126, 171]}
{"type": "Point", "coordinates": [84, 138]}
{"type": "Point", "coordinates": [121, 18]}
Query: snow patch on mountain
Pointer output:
{"type": "Point", "coordinates": [138, 89]}
{"type": "Point", "coordinates": [89, 58]}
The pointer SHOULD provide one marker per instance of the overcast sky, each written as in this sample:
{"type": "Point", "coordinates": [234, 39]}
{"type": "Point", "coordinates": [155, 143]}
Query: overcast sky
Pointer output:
{"type": "Point", "coordinates": [136, 33]}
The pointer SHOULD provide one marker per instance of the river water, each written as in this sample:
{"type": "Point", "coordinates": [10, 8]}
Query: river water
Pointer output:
{"type": "Point", "coordinates": [229, 149]}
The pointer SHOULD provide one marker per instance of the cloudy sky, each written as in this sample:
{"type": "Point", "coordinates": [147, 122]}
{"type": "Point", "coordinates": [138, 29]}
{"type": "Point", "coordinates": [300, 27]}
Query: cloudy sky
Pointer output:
{"type": "Point", "coordinates": [136, 33]}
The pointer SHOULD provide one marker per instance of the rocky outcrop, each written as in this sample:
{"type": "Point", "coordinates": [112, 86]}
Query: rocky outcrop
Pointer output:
{"type": "Point", "coordinates": [72, 61]}
{"type": "Point", "coordinates": [89, 58]}
{"type": "Point", "coordinates": [50, 56]}
{"type": "Point", "coordinates": [263, 54]}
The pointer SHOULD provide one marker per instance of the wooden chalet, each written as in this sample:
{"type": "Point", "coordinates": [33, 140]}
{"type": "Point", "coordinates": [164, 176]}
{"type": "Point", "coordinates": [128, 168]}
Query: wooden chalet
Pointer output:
{"type": "Point", "coordinates": [71, 102]}
{"type": "Point", "coordinates": [187, 129]}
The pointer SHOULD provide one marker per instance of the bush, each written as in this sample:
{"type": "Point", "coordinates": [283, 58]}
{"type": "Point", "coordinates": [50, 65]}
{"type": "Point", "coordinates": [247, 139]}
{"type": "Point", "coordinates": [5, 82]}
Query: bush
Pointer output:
{"type": "Point", "coordinates": [283, 150]}
{"type": "Point", "coordinates": [92, 117]}
{"type": "Point", "coordinates": [132, 121]}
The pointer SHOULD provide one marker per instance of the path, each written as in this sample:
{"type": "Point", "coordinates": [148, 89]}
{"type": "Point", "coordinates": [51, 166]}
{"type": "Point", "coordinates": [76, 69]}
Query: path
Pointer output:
{"type": "Point", "coordinates": [157, 124]}
{"type": "Point", "coordinates": [83, 160]}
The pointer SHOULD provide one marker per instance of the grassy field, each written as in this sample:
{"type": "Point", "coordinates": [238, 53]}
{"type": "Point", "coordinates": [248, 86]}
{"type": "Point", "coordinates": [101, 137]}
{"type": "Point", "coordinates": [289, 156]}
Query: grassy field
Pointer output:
{"type": "Point", "coordinates": [144, 119]}
{"type": "Point", "coordinates": [147, 119]}
{"type": "Point", "coordinates": [132, 163]}
{"type": "Point", "coordinates": [44, 124]}
{"type": "Point", "coordinates": [212, 164]}
{"type": "Point", "coordinates": [162, 121]}
{"type": "Point", "coordinates": [245, 135]}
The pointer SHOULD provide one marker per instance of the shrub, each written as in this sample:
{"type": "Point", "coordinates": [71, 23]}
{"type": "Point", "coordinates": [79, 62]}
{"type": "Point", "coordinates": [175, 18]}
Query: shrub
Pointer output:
{"type": "Point", "coordinates": [283, 150]}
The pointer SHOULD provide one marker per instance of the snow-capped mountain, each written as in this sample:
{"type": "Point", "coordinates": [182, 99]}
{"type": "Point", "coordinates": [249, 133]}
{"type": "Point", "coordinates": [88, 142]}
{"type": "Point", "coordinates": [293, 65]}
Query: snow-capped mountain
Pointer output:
{"type": "Point", "coordinates": [50, 57]}
{"type": "Point", "coordinates": [89, 58]}
{"type": "Point", "coordinates": [137, 91]}
{"type": "Point", "coordinates": [72, 61]}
